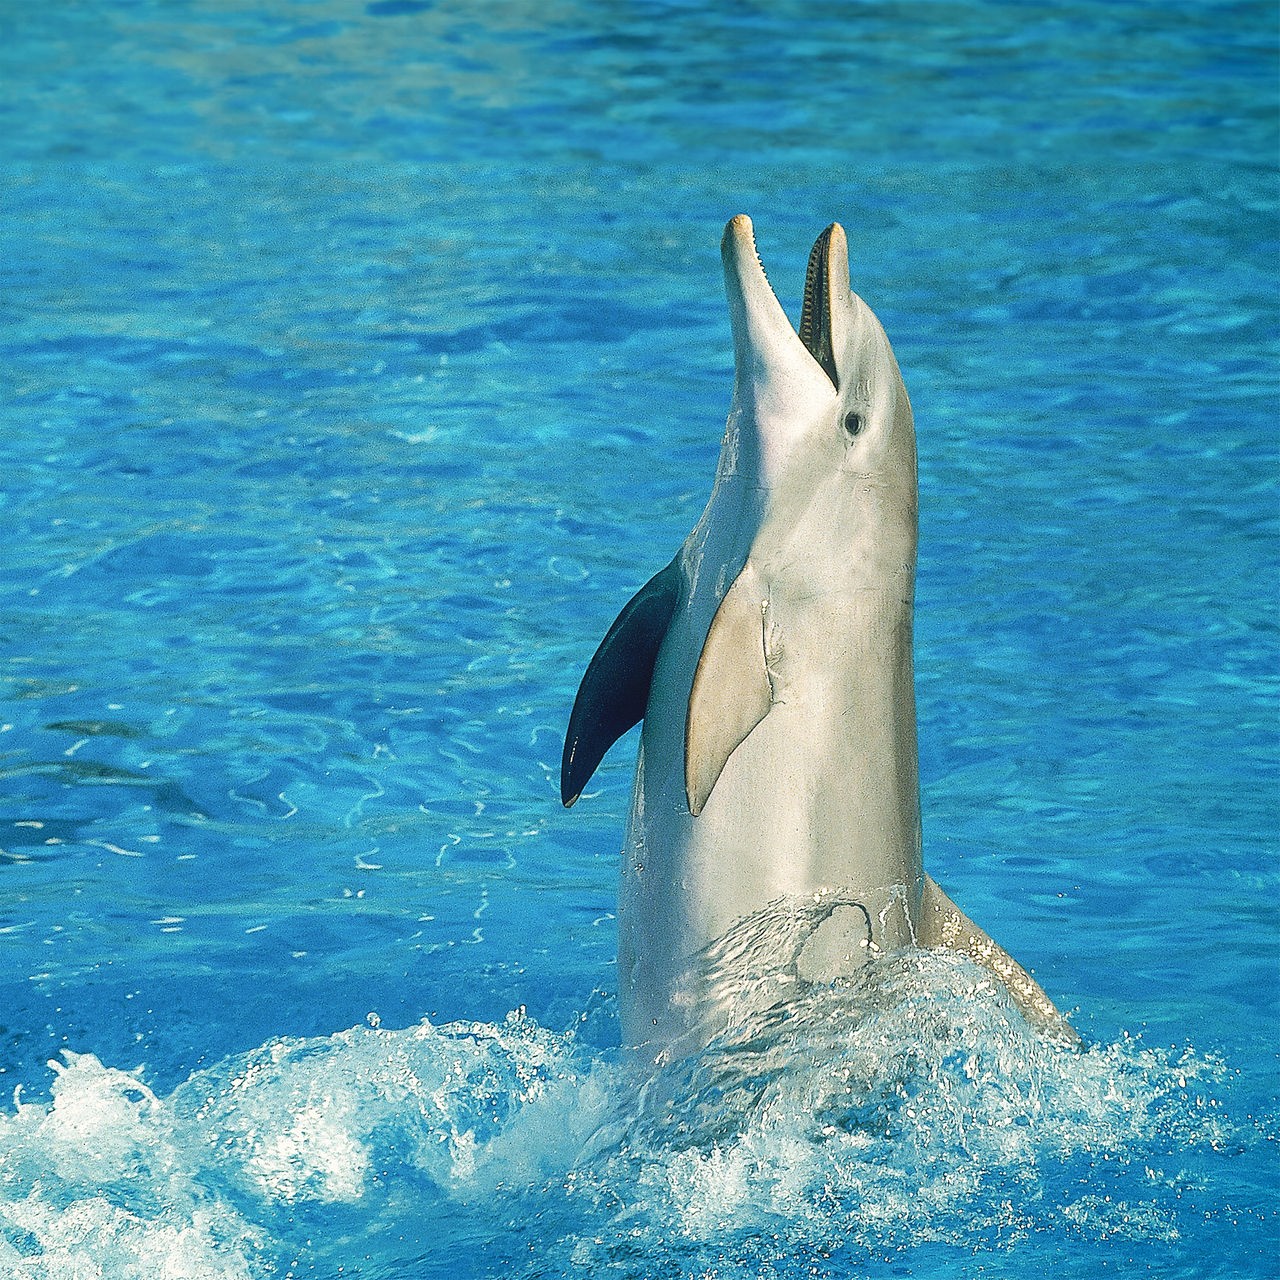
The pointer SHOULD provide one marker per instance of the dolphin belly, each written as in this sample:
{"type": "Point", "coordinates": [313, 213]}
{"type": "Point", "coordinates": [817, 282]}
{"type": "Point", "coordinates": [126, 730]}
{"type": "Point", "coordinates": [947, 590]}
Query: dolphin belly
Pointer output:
{"type": "Point", "coordinates": [785, 821]}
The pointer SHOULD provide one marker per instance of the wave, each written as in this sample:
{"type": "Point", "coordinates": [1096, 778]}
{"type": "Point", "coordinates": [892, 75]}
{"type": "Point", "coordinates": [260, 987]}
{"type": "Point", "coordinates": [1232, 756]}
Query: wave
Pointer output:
{"type": "Point", "coordinates": [908, 1106]}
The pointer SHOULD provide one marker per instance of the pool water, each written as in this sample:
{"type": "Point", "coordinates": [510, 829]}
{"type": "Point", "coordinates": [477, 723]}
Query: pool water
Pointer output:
{"type": "Point", "coordinates": [361, 360]}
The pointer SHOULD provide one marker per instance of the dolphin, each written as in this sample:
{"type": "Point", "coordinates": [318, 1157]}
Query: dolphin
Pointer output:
{"type": "Point", "coordinates": [771, 663]}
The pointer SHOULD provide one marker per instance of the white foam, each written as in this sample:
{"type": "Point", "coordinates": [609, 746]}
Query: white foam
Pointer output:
{"type": "Point", "coordinates": [910, 1106]}
{"type": "Point", "coordinates": [98, 1184]}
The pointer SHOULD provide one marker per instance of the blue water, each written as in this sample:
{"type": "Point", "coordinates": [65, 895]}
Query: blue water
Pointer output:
{"type": "Point", "coordinates": [360, 361]}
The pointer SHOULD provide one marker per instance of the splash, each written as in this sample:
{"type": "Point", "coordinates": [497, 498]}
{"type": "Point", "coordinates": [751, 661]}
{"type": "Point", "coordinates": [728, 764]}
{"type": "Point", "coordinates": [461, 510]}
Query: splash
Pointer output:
{"type": "Point", "coordinates": [101, 1183]}
{"type": "Point", "coordinates": [910, 1104]}
{"type": "Point", "coordinates": [907, 1107]}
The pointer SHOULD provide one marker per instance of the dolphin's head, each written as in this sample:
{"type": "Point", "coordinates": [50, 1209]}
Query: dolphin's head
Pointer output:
{"type": "Point", "coordinates": [820, 422]}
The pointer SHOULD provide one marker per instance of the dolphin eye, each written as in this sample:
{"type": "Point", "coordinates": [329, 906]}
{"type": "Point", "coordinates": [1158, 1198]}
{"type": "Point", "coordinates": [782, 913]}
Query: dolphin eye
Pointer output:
{"type": "Point", "coordinates": [853, 423]}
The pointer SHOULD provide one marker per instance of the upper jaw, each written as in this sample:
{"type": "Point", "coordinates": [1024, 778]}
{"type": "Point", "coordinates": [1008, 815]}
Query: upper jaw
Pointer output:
{"type": "Point", "coordinates": [828, 272]}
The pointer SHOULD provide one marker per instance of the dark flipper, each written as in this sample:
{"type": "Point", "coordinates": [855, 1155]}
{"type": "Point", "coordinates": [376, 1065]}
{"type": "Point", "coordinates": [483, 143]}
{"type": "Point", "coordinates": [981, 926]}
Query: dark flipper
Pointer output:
{"type": "Point", "coordinates": [615, 690]}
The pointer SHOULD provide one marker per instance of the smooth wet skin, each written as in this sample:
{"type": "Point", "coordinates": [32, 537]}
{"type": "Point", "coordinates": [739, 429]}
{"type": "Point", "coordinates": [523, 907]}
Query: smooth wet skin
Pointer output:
{"type": "Point", "coordinates": [778, 758]}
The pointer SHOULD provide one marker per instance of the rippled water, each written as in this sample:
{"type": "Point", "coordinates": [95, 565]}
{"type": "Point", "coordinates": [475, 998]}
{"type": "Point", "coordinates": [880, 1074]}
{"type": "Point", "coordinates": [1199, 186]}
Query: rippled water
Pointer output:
{"type": "Point", "coordinates": [360, 361]}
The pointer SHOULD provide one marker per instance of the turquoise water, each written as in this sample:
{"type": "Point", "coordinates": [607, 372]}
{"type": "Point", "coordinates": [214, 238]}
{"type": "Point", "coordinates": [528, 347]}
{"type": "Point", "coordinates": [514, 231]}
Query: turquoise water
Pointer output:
{"type": "Point", "coordinates": [360, 361]}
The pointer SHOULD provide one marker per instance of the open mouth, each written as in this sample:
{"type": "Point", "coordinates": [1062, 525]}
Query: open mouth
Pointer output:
{"type": "Point", "coordinates": [815, 314]}
{"type": "Point", "coordinates": [770, 356]}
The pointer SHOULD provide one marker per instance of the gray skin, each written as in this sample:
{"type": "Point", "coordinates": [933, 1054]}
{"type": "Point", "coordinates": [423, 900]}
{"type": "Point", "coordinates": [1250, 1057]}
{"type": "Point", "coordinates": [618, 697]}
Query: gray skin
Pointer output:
{"type": "Point", "coordinates": [772, 663]}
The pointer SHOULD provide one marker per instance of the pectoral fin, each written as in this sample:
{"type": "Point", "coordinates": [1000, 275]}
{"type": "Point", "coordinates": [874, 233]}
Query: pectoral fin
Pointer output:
{"type": "Point", "coordinates": [943, 924]}
{"type": "Point", "coordinates": [615, 689]}
{"type": "Point", "coordinates": [731, 691]}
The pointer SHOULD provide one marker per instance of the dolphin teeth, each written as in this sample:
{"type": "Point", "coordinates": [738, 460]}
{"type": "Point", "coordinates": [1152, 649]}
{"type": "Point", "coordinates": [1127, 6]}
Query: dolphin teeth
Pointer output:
{"type": "Point", "coordinates": [815, 312]}
{"type": "Point", "coordinates": [755, 249]}
{"type": "Point", "coordinates": [760, 263]}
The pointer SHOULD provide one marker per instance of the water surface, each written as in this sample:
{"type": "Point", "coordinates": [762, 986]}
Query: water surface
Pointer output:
{"type": "Point", "coordinates": [360, 361]}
